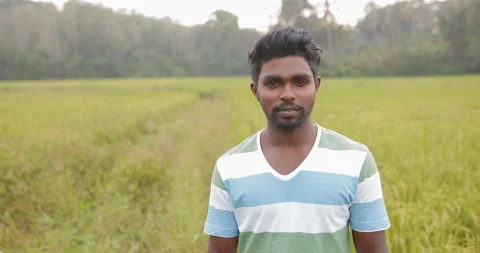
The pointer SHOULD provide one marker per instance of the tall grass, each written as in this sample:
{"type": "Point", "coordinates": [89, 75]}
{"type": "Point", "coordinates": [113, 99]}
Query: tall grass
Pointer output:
{"type": "Point", "coordinates": [69, 167]}
{"type": "Point", "coordinates": [128, 170]}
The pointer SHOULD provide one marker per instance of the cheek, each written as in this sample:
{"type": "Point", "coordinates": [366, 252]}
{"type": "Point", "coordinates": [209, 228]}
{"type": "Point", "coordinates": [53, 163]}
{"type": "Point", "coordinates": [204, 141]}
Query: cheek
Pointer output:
{"type": "Point", "coordinates": [268, 98]}
{"type": "Point", "coordinates": [306, 95]}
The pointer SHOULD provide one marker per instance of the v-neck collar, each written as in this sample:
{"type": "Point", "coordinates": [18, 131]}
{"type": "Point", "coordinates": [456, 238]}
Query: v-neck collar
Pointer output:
{"type": "Point", "coordinates": [292, 174]}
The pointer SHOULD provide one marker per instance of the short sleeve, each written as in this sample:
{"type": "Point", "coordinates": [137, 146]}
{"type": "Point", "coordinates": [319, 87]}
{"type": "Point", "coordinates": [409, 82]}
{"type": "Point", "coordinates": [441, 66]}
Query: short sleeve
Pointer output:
{"type": "Point", "coordinates": [368, 212]}
{"type": "Point", "coordinates": [220, 220]}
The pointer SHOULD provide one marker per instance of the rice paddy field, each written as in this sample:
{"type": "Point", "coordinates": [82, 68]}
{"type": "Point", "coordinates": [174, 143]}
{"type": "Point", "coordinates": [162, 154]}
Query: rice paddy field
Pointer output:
{"type": "Point", "coordinates": [125, 165]}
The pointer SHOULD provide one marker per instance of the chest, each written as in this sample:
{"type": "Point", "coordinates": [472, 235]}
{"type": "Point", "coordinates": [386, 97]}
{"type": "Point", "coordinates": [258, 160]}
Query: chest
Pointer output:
{"type": "Point", "coordinates": [308, 187]}
{"type": "Point", "coordinates": [309, 202]}
{"type": "Point", "coordinates": [286, 161]}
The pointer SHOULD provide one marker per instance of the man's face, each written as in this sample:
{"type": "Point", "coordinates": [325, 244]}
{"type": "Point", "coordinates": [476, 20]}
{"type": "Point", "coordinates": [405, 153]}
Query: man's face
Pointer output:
{"type": "Point", "coordinates": [286, 90]}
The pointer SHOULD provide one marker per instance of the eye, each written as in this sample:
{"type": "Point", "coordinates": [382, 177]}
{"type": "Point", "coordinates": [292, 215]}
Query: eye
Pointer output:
{"type": "Point", "coordinates": [301, 81]}
{"type": "Point", "coordinates": [273, 83]}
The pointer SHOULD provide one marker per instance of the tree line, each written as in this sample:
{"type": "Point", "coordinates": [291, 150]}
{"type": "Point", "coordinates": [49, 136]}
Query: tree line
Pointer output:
{"type": "Point", "coordinates": [83, 40]}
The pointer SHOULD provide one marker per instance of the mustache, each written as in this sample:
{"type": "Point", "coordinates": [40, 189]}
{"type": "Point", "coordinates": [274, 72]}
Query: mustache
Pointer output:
{"type": "Point", "coordinates": [285, 106]}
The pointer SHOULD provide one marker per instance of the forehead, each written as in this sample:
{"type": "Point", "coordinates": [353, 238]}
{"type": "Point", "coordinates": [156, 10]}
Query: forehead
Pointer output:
{"type": "Point", "coordinates": [285, 67]}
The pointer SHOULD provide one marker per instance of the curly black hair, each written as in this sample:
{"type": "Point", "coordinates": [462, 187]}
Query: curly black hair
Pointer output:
{"type": "Point", "coordinates": [284, 42]}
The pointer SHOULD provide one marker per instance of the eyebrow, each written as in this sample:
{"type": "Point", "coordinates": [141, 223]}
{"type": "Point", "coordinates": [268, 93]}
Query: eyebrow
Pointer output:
{"type": "Point", "coordinates": [306, 76]}
{"type": "Point", "coordinates": [296, 76]}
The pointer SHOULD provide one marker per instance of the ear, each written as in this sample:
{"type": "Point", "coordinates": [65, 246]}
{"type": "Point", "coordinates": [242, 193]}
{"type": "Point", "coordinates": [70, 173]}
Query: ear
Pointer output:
{"type": "Point", "coordinates": [317, 84]}
{"type": "Point", "coordinates": [253, 88]}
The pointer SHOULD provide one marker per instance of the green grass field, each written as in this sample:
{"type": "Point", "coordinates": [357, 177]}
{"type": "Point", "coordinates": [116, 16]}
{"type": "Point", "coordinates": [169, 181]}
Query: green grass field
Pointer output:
{"type": "Point", "coordinates": [125, 165]}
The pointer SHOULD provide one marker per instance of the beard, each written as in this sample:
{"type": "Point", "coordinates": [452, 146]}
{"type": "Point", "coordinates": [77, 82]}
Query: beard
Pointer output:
{"type": "Point", "coordinates": [291, 122]}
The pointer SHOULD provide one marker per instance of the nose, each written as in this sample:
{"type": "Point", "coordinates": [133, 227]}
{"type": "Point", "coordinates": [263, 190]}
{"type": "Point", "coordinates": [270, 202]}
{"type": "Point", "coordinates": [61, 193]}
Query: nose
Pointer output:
{"type": "Point", "coordinates": [287, 93]}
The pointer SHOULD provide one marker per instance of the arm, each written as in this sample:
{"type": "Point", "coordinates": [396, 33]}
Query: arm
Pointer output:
{"type": "Point", "coordinates": [368, 214]}
{"type": "Point", "coordinates": [370, 242]}
{"type": "Point", "coordinates": [221, 224]}
{"type": "Point", "coordinates": [222, 245]}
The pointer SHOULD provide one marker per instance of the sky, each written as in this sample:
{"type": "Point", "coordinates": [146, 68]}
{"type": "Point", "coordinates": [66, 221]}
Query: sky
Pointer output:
{"type": "Point", "coordinates": [257, 14]}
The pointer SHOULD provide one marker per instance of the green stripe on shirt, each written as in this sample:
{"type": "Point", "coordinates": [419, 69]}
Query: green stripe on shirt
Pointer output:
{"type": "Point", "coordinates": [337, 242]}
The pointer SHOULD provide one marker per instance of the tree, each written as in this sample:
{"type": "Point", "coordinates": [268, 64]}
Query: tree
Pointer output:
{"type": "Point", "coordinates": [223, 19]}
{"type": "Point", "coordinates": [291, 10]}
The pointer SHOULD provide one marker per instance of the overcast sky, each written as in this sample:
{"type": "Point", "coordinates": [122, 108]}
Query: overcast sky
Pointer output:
{"type": "Point", "coordinates": [258, 14]}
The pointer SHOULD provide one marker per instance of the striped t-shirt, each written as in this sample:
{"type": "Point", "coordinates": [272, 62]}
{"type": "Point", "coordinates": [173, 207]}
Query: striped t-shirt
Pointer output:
{"type": "Point", "coordinates": [335, 188]}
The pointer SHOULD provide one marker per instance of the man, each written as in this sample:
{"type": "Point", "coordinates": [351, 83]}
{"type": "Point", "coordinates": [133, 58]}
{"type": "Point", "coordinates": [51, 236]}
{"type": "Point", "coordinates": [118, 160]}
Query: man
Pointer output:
{"type": "Point", "coordinates": [294, 186]}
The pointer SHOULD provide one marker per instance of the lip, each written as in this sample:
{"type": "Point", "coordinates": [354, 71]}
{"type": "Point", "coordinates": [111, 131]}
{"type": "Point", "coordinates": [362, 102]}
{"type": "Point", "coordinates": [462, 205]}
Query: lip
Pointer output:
{"type": "Point", "coordinates": [288, 113]}
{"type": "Point", "coordinates": [289, 109]}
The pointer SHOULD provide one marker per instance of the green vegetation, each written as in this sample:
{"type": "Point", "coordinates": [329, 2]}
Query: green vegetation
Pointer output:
{"type": "Point", "coordinates": [125, 165]}
{"type": "Point", "coordinates": [80, 40]}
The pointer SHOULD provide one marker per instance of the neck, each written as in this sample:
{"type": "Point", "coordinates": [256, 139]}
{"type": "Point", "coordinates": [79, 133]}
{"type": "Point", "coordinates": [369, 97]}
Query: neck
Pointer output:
{"type": "Point", "coordinates": [296, 137]}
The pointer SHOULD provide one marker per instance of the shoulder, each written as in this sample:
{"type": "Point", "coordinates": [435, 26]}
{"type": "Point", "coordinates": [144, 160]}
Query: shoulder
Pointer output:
{"type": "Point", "coordinates": [348, 151]}
{"type": "Point", "coordinates": [241, 155]}
{"type": "Point", "coordinates": [247, 145]}
{"type": "Point", "coordinates": [333, 140]}
{"type": "Point", "coordinates": [236, 162]}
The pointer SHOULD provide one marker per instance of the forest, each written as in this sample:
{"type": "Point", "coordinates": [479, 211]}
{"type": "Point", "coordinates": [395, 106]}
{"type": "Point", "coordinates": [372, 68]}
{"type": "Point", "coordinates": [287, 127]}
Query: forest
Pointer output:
{"type": "Point", "coordinates": [83, 40]}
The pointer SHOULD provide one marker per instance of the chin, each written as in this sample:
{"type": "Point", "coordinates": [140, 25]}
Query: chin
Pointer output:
{"type": "Point", "coordinates": [287, 126]}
